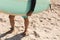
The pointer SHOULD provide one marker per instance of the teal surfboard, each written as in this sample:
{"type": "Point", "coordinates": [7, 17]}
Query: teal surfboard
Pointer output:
{"type": "Point", "coordinates": [21, 7]}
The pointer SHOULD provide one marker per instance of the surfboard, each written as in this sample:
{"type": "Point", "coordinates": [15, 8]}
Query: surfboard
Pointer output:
{"type": "Point", "coordinates": [21, 7]}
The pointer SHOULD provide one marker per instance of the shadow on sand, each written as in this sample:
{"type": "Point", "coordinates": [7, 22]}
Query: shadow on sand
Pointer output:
{"type": "Point", "coordinates": [16, 37]}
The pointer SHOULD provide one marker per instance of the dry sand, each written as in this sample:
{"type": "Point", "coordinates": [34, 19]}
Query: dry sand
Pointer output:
{"type": "Point", "coordinates": [43, 26]}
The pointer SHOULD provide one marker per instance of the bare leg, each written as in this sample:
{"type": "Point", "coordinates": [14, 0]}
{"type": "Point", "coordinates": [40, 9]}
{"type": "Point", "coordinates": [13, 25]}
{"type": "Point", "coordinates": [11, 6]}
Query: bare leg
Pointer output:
{"type": "Point", "coordinates": [26, 23]}
{"type": "Point", "coordinates": [11, 17]}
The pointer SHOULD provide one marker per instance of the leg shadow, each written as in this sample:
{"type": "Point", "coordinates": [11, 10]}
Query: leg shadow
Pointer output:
{"type": "Point", "coordinates": [16, 37]}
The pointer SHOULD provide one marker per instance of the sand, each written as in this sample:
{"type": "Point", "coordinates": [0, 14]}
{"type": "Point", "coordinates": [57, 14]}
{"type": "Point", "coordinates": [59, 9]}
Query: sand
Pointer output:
{"type": "Point", "coordinates": [42, 26]}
